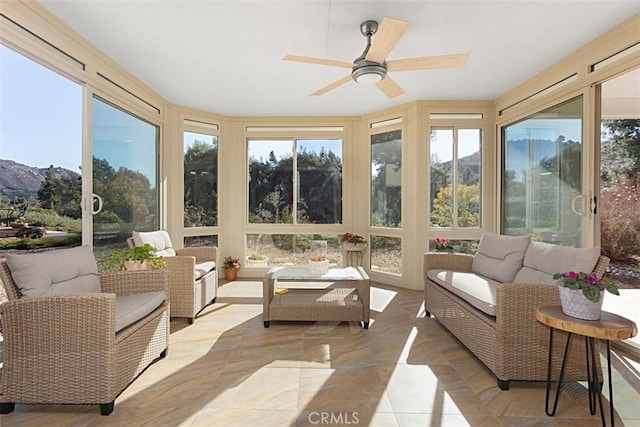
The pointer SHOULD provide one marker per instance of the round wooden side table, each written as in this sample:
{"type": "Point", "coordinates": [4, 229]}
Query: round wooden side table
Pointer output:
{"type": "Point", "coordinates": [609, 327]}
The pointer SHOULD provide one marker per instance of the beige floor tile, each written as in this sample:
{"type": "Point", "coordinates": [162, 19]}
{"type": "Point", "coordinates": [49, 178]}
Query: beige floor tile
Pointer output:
{"type": "Point", "coordinates": [229, 417]}
{"type": "Point", "coordinates": [324, 390]}
{"type": "Point", "coordinates": [265, 388]}
{"type": "Point", "coordinates": [447, 420]}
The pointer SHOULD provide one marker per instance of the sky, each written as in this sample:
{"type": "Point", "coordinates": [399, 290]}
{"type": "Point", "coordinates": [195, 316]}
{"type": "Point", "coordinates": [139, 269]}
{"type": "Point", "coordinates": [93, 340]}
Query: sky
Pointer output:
{"type": "Point", "coordinates": [41, 114]}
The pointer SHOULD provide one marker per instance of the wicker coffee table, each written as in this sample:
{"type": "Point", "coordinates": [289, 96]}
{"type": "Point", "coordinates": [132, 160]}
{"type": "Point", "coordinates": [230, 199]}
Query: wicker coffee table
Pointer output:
{"type": "Point", "coordinates": [340, 295]}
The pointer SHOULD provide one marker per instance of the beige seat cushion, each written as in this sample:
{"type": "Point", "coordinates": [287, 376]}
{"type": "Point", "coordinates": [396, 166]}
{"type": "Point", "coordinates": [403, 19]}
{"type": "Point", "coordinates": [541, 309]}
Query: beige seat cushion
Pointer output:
{"type": "Point", "coordinates": [131, 308]}
{"type": "Point", "coordinates": [203, 268]}
{"type": "Point", "coordinates": [55, 272]}
{"type": "Point", "coordinates": [500, 257]}
{"type": "Point", "coordinates": [158, 239]}
{"type": "Point", "coordinates": [478, 291]}
{"type": "Point", "coordinates": [543, 260]}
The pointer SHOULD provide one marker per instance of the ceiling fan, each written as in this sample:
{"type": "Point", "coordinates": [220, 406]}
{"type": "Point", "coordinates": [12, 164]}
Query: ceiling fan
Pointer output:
{"type": "Point", "coordinates": [372, 67]}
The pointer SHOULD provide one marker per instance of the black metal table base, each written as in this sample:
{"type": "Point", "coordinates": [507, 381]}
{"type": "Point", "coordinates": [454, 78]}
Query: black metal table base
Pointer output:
{"type": "Point", "coordinates": [595, 387]}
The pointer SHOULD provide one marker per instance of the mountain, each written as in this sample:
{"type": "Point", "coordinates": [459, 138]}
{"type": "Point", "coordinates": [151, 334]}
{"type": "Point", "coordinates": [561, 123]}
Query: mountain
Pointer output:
{"type": "Point", "coordinates": [18, 180]}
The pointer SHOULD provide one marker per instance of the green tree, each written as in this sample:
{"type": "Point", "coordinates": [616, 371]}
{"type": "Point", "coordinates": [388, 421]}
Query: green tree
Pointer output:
{"type": "Point", "coordinates": [468, 207]}
{"type": "Point", "coordinates": [50, 190]}
{"type": "Point", "coordinates": [621, 149]}
{"type": "Point", "coordinates": [201, 184]}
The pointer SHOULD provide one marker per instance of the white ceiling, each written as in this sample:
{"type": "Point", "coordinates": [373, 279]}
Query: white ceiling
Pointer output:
{"type": "Point", "coordinates": [226, 56]}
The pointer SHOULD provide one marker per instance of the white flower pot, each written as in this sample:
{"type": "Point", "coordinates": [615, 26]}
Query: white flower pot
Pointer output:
{"type": "Point", "coordinates": [348, 246]}
{"type": "Point", "coordinates": [575, 304]}
{"type": "Point", "coordinates": [257, 262]}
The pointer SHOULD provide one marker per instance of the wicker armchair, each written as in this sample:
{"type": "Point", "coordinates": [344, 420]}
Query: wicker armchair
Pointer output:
{"type": "Point", "coordinates": [513, 345]}
{"type": "Point", "coordinates": [64, 349]}
{"type": "Point", "coordinates": [193, 274]}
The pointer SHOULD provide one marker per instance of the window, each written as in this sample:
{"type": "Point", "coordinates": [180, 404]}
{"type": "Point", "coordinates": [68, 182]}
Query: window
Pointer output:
{"type": "Point", "coordinates": [386, 179]}
{"type": "Point", "coordinates": [268, 250]}
{"type": "Point", "coordinates": [455, 164]}
{"type": "Point", "coordinates": [295, 181]}
{"type": "Point", "coordinates": [200, 180]}
{"type": "Point", "coordinates": [40, 148]}
{"type": "Point", "coordinates": [542, 175]}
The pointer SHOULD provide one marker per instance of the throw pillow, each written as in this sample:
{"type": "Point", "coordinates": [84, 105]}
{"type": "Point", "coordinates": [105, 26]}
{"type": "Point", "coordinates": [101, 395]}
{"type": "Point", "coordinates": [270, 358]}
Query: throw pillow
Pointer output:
{"type": "Point", "coordinates": [543, 260]}
{"type": "Point", "coordinates": [56, 272]}
{"type": "Point", "coordinates": [500, 257]}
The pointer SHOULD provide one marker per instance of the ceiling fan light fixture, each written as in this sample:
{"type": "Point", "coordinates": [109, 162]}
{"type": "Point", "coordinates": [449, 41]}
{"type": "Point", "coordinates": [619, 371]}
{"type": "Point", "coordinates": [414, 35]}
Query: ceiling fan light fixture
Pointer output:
{"type": "Point", "coordinates": [369, 74]}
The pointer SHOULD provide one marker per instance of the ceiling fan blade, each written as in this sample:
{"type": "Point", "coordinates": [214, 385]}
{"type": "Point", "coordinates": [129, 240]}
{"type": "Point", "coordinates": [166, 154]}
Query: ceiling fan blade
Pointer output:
{"type": "Point", "coordinates": [332, 86]}
{"type": "Point", "coordinates": [319, 61]}
{"type": "Point", "coordinates": [385, 39]}
{"type": "Point", "coordinates": [456, 60]}
{"type": "Point", "coordinates": [389, 87]}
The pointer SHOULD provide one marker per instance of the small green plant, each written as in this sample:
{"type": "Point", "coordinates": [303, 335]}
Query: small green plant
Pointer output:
{"type": "Point", "coordinates": [257, 257]}
{"type": "Point", "coordinates": [138, 254]}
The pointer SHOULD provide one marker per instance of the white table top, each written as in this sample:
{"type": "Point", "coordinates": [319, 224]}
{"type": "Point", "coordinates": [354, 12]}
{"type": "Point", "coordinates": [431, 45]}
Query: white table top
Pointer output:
{"type": "Point", "coordinates": [302, 273]}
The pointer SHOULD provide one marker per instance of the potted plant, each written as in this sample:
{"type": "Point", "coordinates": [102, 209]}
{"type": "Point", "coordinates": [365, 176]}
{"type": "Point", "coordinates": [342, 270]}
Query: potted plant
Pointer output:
{"type": "Point", "coordinates": [136, 258]}
{"type": "Point", "coordinates": [257, 260]}
{"type": "Point", "coordinates": [581, 294]}
{"type": "Point", "coordinates": [230, 266]}
{"type": "Point", "coordinates": [443, 245]}
{"type": "Point", "coordinates": [352, 242]}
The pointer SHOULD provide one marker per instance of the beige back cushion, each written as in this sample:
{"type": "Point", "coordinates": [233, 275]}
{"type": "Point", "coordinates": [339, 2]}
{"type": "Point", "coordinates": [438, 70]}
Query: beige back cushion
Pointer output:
{"type": "Point", "coordinates": [56, 272]}
{"type": "Point", "coordinates": [158, 239]}
{"type": "Point", "coordinates": [543, 260]}
{"type": "Point", "coordinates": [500, 257]}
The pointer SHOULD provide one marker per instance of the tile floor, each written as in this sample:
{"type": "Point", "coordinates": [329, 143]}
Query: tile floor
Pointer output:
{"type": "Point", "coordinates": [406, 370]}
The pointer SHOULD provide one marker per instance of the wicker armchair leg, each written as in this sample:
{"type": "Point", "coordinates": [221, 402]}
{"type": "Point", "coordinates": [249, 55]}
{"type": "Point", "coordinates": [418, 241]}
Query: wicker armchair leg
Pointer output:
{"type": "Point", "coordinates": [106, 408]}
{"type": "Point", "coordinates": [7, 407]}
{"type": "Point", "coordinates": [164, 353]}
{"type": "Point", "coordinates": [213, 300]}
{"type": "Point", "coordinates": [190, 320]}
{"type": "Point", "coordinates": [503, 384]}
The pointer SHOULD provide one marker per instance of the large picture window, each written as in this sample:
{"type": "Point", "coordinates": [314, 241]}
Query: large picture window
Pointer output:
{"type": "Point", "coordinates": [200, 180]}
{"type": "Point", "coordinates": [386, 179]}
{"type": "Point", "coordinates": [295, 181]}
{"type": "Point", "coordinates": [455, 177]}
{"type": "Point", "coordinates": [542, 175]}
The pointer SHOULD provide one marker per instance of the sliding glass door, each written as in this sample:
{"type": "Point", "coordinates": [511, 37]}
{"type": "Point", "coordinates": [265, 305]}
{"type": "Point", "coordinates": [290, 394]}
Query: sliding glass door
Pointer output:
{"type": "Point", "coordinates": [543, 190]}
{"type": "Point", "coordinates": [125, 176]}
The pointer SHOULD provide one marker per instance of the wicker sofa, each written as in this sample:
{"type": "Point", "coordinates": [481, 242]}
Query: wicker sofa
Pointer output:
{"type": "Point", "coordinates": [510, 342]}
{"type": "Point", "coordinates": [193, 274]}
{"type": "Point", "coordinates": [81, 348]}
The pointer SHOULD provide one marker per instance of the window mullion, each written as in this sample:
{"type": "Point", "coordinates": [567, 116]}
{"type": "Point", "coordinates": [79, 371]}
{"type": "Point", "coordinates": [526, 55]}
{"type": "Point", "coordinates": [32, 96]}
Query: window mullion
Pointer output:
{"type": "Point", "coordinates": [294, 177]}
{"type": "Point", "coordinates": [454, 181]}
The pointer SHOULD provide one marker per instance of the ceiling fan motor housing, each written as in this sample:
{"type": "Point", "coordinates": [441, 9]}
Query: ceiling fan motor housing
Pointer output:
{"type": "Point", "coordinates": [368, 72]}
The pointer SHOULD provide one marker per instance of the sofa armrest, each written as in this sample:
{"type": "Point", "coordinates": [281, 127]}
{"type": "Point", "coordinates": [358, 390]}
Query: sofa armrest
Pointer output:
{"type": "Point", "coordinates": [520, 337]}
{"type": "Point", "coordinates": [47, 326]}
{"type": "Point", "coordinates": [201, 253]}
{"type": "Point", "coordinates": [134, 282]}
{"type": "Point", "coordinates": [181, 271]}
{"type": "Point", "coordinates": [446, 261]}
